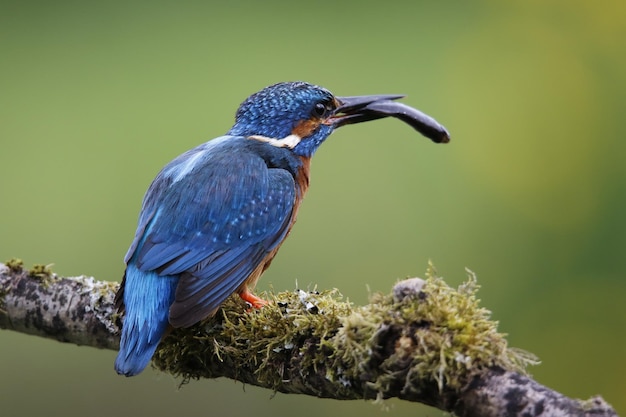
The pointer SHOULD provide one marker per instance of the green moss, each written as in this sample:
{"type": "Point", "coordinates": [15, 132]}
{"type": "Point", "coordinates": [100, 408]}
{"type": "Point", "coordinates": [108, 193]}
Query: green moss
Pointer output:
{"type": "Point", "coordinates": [436, 337]}
{"type": "Point", "coordinates": [15, 265]}
{"type": "Point", "coordinates": [449, 337]}
{"type": "Point", "coordinates": [42, 272]}
{"type": "Point", "coordinates": [256, 339]}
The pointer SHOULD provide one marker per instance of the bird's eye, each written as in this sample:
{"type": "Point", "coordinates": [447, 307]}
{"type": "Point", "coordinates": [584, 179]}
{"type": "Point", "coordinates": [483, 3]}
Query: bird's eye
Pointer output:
{"type": "Point", "coordinates": [320, 109]}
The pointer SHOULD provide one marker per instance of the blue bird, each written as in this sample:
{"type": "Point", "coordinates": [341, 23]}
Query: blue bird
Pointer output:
{"type": "Point", "coordinates": [214, 217]}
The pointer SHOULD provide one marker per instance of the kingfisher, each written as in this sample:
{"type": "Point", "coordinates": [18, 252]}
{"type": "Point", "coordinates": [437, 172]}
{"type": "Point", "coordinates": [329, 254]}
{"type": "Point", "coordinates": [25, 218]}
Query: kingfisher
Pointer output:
{"type": "Point", "coordinates": [214, 217]}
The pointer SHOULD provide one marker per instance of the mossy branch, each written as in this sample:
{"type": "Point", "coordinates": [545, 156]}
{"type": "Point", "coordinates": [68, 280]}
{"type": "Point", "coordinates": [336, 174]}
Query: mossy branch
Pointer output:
{"type": "Point", "coordinates": [425, 342]}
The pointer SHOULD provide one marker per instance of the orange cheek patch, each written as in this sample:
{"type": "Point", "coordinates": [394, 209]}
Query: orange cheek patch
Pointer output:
{"type": "Point", "coordinates": [304, 128]}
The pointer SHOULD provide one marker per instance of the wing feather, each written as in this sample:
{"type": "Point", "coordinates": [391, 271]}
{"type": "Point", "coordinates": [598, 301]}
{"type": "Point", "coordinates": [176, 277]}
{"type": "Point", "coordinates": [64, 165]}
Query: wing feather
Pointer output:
{"type": "Point", "coordinates": [212, 216]}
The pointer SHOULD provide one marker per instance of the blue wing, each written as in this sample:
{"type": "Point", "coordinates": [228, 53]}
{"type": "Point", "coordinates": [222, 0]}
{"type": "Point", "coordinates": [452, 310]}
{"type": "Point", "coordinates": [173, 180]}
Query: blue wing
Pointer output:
{"type": "Point", "coordinates": [212, 216]}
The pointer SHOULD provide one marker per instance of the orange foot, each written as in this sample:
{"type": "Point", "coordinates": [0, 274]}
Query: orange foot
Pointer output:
{"type": "Point", "coordinates": [252, 299]}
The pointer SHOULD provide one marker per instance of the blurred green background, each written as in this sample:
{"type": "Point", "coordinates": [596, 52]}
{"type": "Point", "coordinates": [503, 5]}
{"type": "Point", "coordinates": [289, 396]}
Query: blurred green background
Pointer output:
{"type": "Point", "coordinates": [95, 97]}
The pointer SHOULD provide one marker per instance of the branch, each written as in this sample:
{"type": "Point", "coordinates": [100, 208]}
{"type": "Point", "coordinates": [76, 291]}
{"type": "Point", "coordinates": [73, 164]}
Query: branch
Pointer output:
{"type": "Point", "coordinates": [425, 342]}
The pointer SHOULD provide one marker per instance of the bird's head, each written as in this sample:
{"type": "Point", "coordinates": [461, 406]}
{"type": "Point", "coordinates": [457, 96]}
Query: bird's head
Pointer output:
{"type": "Point", "coordinates": [300, 116]}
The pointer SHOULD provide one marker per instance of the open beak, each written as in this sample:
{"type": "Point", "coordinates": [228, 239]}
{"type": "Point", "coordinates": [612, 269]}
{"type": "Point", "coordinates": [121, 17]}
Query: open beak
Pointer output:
{"type": "Point", "coordinates": [359, 109]}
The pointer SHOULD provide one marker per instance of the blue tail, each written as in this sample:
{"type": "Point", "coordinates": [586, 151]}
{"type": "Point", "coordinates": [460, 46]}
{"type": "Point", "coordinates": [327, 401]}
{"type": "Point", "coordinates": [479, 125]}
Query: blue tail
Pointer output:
{"type": "Point", "coordinates": [147, 300]}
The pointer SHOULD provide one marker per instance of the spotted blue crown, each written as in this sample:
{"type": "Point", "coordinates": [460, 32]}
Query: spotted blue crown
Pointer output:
{"type": "Point", "coordinates": [276, 111]}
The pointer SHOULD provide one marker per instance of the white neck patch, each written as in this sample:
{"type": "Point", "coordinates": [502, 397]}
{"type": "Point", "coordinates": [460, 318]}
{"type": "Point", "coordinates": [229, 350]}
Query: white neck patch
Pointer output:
{"type": "Point", "coordinates": [287, 142]}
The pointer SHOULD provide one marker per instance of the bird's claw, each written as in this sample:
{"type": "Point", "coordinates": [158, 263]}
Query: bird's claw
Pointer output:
{"type": "Point", "coordinates": [253, 300]}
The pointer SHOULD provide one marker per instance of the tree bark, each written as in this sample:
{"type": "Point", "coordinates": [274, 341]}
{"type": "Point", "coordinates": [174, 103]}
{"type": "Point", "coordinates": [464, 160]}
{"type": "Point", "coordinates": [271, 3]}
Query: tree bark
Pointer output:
{"type": "Point", "coordinates": [425, 342]}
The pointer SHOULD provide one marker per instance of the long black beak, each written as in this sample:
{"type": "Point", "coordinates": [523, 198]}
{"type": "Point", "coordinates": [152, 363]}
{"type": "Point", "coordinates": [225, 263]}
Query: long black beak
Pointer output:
{"type": "Point", "coordinates": [359, 109]}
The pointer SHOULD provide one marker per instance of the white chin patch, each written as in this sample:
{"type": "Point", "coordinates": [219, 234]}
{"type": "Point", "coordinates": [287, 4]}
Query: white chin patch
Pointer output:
{"type": "Point", "coordinates": [287, 142]}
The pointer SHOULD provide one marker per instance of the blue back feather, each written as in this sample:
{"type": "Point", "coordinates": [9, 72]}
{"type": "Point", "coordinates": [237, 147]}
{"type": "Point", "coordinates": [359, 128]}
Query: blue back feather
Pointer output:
{"type": "Point", "coordinates": [208, 220]}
